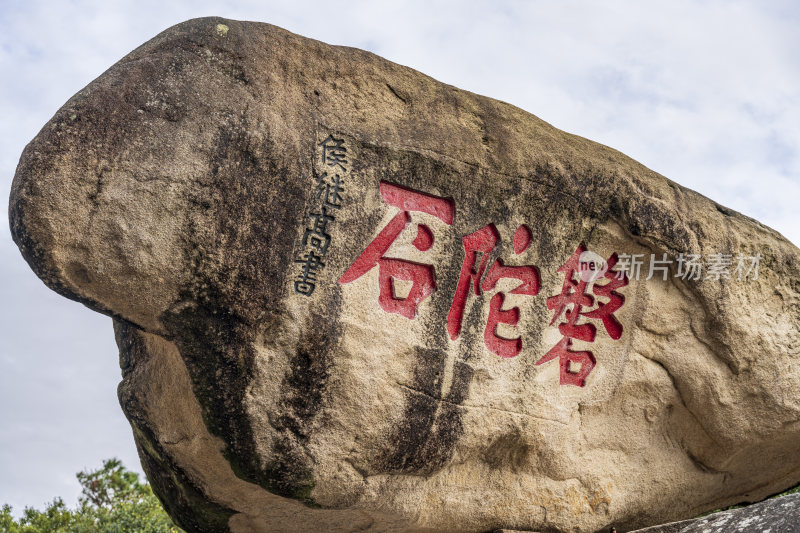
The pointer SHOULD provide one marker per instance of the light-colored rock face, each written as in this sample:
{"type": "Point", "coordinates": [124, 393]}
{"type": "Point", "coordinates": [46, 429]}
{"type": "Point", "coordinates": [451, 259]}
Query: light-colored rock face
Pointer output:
{"type": "Point", "coordinates": [198, 190]}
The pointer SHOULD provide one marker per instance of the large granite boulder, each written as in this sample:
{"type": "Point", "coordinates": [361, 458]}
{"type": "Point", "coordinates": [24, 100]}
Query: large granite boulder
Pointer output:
{"type": "Point", "coordinates": [350, 297]}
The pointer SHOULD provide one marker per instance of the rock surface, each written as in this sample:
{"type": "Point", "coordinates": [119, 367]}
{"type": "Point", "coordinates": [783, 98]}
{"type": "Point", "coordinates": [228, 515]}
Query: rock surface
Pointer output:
{"type": "Point", "coordinates": [778, 515]}
{"type": "Point", "coordinates": [182, 193]}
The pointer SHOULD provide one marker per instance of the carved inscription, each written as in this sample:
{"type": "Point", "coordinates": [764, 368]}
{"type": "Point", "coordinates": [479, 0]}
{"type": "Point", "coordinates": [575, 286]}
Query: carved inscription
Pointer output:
{"type": "Point", "coordinates": [477, 277]}
{"type": "Point", "coordinates": [327, 198]}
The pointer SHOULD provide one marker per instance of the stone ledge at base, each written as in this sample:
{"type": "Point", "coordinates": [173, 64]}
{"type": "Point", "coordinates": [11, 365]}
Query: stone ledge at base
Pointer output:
{"type": "Point", "coordinates": [778, 515]}
{"type": "Point", "coordinates": [672, 527]}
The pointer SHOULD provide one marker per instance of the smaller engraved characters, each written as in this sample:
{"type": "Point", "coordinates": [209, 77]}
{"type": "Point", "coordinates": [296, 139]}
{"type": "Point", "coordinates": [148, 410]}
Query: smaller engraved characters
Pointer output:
{"type": "Point", "coordinates": [317, 236]}
{"type": "Point", "coordinates": [334, 153]}
{"type": "Point", "coordinates": [328, 190]}
{"type": "Point", "coordinates": [306, 280]}
{"type": "Point", "coordinates": [328, 195]}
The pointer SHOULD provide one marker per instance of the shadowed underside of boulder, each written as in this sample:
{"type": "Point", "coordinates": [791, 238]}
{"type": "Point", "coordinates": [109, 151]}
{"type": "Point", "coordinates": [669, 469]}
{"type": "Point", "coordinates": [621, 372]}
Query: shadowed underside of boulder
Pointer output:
{"type": "Point", "coordinates": [282, 231]}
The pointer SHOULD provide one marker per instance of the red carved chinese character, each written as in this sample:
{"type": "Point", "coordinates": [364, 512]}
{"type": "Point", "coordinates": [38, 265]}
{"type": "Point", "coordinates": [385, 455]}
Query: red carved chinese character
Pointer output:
{"type": "Point", "coordinates": [573, 293]}
{"type": "Point", "coordinates": [605, 311]}
{"type": "Point", "coordinates": [483, 241]}
{"type": "Point", "coordinates": [390, 269]}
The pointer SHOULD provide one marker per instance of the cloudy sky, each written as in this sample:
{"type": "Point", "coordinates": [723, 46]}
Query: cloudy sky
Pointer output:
{"type": "Point", "coordinates": [704, 92]}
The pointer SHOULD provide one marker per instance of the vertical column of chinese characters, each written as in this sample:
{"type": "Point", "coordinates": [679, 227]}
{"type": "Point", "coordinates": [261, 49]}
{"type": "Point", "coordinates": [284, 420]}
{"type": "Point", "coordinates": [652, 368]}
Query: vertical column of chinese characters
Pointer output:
{"type": "Point", "coordinates": [327, 198]}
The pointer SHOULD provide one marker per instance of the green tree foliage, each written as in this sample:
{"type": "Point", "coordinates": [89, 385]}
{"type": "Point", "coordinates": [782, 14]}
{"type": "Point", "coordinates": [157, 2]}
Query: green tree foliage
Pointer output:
{"type": "Point", "coordinates": [113, 501]}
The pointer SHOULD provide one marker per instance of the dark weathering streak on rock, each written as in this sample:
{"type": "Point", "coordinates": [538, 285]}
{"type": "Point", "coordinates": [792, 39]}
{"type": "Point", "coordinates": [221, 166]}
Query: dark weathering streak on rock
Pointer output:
{"type": "Point", "coordinates": [430, 427]}
{"type": "Point", "coordinates": [215, 320]}
{"type": "Point", "coordinates": [303, 397]}
{"type": "Point", "coordinates": [185, 502]}
{"type": "Point", "coordinates": [425, 436]}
